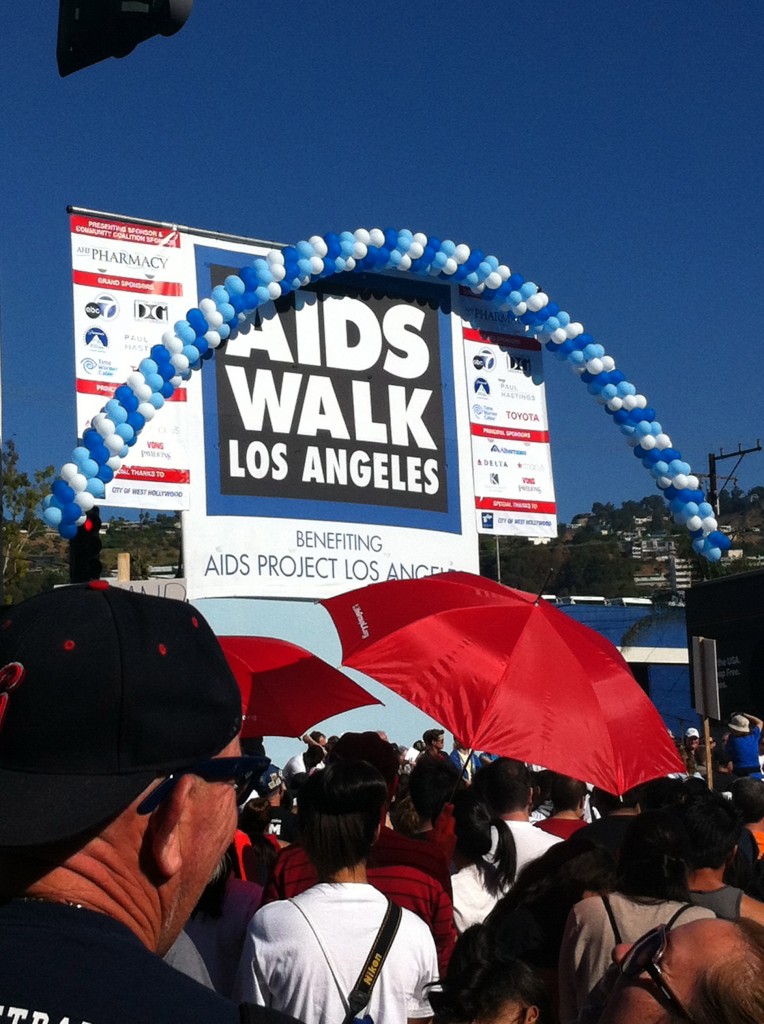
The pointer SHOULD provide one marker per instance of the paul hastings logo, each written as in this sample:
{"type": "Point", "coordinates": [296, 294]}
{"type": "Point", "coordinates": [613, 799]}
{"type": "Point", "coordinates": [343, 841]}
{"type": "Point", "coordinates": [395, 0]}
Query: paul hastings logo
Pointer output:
{"type": "Point", "coordinates": [155, 312]}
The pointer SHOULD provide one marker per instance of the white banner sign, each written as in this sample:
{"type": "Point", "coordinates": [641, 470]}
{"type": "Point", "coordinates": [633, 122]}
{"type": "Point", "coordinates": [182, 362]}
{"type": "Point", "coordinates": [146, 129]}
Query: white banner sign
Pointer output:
{"type": "Point", "coordinates": [130, 282]}
{"type": "Point", "coordinates": [336, 441]}
{"type": "Point", "coordinates": [511, 456]}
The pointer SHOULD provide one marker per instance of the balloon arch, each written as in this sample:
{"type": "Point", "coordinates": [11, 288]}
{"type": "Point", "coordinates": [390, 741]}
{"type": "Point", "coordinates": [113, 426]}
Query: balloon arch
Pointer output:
{"type": "Point", "coordinates": [115, 429]}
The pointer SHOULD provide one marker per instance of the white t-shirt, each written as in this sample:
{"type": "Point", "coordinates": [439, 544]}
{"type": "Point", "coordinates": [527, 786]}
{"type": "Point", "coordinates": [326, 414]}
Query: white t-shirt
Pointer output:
{"type": "Point", "coordinates": [294, 766]}
{"type": "Point", "coordinates": [283, 966]}
{"type": "Point", "coordinates": [530, 842]}
{"type": "Point", "coordinates": [472, 901]}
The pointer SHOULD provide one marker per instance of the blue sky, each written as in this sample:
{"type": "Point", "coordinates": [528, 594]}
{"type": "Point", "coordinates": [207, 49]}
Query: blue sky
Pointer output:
{"type": "Point", "coordinates": [611, 152]}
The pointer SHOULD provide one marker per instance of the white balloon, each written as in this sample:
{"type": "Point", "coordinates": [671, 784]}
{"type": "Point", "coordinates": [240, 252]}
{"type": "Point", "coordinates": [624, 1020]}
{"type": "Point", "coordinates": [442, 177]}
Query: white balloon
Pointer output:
{"type": "Point", "coordinates": [278, 271]}
{"type": "Point", "coordinates": [319, 245]}
{"type": "Point", "coordinates": [680, 481]}
{"type": "Point", "coordinates": [68, 471]}
{"type": "Point", "coordinates": [147, 410]}
{"type": "Point", "coordinates": [594, 366]}
{"type": "Point", "coordinates": [692, 482]}
{"type": "Point", "coordinates": [450, 266]}
{"type": "Point", "coordinates": [462, 253]}
{"type": "Point", "coordinates": [85, 500]}
{"type": "Point", "coordinates": [694, 523]}
{"type": "Point", "coordinates": [362, 235]}
{"type": "Point", "coordinates": [519, 309]}
{"type": "Point", "coordinates": [420, 239]}
{"type": "Point", "coordinates": [647, 442]}
{"type": "Point", "coordinates": [503, 271]}
{"type": "Point", "coordinates": [662, 441]}
{"type": "Point", "coordinates": [663, 482]}
{"type": "Point", "coordinates": [174, 344]}
{"type": "Point", "coordinates": [640, 401]}
{"type": "Point", "coordinates": [81, 520]}
{"type": "Point", "coordinates": [274, 290]}
{"type": "Point", "coordinates": [360, 249]}
{"type": "Point", "coordinates": [608, 364]}
{"type": "Point", "coordinates": [103, 424]}
{"type": "Point", "coordinates": [212, 338]}
{"type": "Point", "coordinates": [114, 443]}
{"type": "Point", "coordinates": [143, 392]}
{"type": "Point", "coordinates": [574, 329]}
{"type": "Point", "coordinates": [558, 336]}
{"type": "Point", "coordinates": [316, 265]}
{"type": "Point", "coordinates": [629, 402]}
{"type": "Point", "coordinates": [493, 280]}
{"type": "Point", "coordinates": [615, 403]}
{"type": "Point", "coordinates": [349, 263]}
{"type": "Point", "coordinates": [416, 249]}
{"type": "Point", "coordinates": [135, 379]}
{"type": "Point", "coordinates": [709, 524]}
{"type": "Point", "coordinates": [376, 238]}
{"type": "Point", "coordinates": [275, 258]}
{"type": "Point", "coordinates": [78, 482]}
{"type": "Point", "coordinates": [537, 302]}
{"type": "Point", "coordinates": [405, 262]}
{"type": "Point", "coordinates": [114, 463]}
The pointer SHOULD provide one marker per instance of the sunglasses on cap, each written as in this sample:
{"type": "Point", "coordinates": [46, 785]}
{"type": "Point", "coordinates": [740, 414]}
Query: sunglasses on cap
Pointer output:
{"type": "Point", "coordinates": [241, 772]}
{"type": "Point", "coordinates": [645, 957]}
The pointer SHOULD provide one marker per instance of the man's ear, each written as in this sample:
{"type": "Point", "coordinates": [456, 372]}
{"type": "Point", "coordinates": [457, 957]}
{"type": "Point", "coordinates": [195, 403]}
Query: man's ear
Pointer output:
{"type": "Point", "coordinates": [167, 826]}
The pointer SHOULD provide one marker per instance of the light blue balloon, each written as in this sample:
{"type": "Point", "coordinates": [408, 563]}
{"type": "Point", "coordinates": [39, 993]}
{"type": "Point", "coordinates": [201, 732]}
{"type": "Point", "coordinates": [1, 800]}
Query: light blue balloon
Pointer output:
{"type": "Point", "coordinates": [705, 509]}
{"type": "Point", "coordinates": [234, 284]}
{"type": "Point", "coordinates": [52, 516]}
{"type": "Point", "coordinates": [713, 554]}
{"type": "Point", "coordinates": [156, 400]}
{"type": "Point", "coordinates": [80, 455]}
{"type": "Point", "coordinates": [96, 488]}
{"type": "Point", "coordinates": [527, 289]}
{"type": "Point", "coordinates": [116, 412]}
{"type": "Point", "coordinates": [219, 294]}
{"type": "Point", "coordinates": [148, 366]}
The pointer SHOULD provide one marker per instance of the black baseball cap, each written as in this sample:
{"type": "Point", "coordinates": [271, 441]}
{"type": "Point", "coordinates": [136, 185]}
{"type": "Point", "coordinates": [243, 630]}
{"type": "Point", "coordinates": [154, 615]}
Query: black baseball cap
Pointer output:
{"type": "Point", "coordinates": [102, 690]}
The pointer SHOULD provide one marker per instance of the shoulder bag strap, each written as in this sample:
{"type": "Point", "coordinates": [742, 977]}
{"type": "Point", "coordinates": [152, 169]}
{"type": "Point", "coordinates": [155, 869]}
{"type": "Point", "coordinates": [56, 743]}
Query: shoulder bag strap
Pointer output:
{"type": "Point", "coordinates": [613, 924]}
{"type": "Point", "coordinates": [672, 920]}
{"type": "Point", "coordinates": [361, 992]}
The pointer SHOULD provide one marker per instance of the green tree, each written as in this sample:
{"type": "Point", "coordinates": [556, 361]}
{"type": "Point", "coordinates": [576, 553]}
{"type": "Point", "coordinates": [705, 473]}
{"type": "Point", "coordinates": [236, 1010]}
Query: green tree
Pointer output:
{"type": "Point", "coordinates": [24, 529]}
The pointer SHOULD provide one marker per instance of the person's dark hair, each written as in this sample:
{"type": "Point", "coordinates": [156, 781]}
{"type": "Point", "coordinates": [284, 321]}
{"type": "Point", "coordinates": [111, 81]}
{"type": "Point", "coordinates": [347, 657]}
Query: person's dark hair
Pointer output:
{"type": "Point", "coordinates": [748, 799]}
{"type": "Point", "coordinates": [566, 793]}
{"type": "Point", "coordinates": [504, 785]}
{"type": "Point", "coordinates": [430, 735]}
{"type": "Point", "coordinates": [713, 827]}
{"type": "Point", "coordinates": [312, 757]}
{"type": "Point", "coordinates": [431, 785]}
{"type": "Point", "coordinates": [660, 793]}
{"type": "Point", "coordinates": [482, 980]}
{"type": "Point", "coordinates": [254, 818]}
{"type": "Point", "coordinates": [369, 746]}
{"type": "Point", "coordinates": [653, 858]}
{"type": "Point", "coordinates": [473, 824]}
{"type": "Point", "coordinates": [339, 813]}
{"type": "Point", "coordinates": [316, 736]}
{"type": "Point", "coordinates": [606, 803]}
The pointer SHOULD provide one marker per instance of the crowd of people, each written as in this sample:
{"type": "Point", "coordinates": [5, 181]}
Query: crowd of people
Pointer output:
{"type": "Point", "coordinates": [154, 866]}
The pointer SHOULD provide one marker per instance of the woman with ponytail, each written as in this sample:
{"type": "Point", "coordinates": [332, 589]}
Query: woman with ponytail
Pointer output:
{"type": "Point", "coordinates": [484, 859]}
{"type": "Point", "coordinates": [651, 889]}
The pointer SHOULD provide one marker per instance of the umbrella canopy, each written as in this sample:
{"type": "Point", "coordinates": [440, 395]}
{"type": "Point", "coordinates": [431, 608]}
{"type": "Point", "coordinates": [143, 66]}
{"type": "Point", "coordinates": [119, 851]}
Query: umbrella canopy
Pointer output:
{"type": "Point", "coordinates": [285, 689]}
{"type": "Point", "coordinates": [508, 673]}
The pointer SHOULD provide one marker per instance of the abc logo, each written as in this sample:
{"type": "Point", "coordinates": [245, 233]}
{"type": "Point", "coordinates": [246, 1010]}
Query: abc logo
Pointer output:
{"type": "Point", "coordinates": [105, 307]}
{"type": "Point", "coordinates": [485, 359]}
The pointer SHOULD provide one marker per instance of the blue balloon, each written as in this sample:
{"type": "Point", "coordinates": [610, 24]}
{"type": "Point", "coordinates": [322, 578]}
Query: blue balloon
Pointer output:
{"type": "Point", "coordinates": [68, 530]}
{"type": "Point", "coordinates": [106, 474]}
{"type": "Point", "coordinates": [63, 492]}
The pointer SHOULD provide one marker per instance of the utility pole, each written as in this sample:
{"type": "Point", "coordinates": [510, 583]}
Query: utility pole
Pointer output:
{"type": "Point", "coordinates": [713, 494]}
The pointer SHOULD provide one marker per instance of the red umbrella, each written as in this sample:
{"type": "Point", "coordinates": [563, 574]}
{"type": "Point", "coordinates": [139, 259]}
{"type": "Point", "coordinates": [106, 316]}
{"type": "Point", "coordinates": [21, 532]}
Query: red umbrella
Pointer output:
{"type": "Point", "coordinates": [507, 672]}
{"type": "Point", "coordinates": [285, 689]}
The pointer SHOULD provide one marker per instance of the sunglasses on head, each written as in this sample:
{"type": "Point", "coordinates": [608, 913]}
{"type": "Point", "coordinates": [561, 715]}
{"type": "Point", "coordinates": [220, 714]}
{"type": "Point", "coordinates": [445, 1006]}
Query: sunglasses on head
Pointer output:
{"type": "Point", "coordinates": [241, 772]}
{"type": "Point", "coordinates": [645, 957]}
